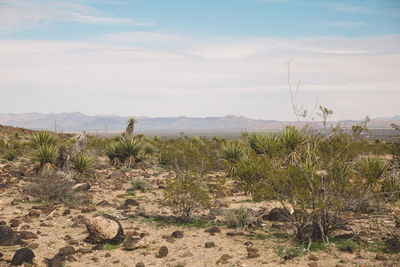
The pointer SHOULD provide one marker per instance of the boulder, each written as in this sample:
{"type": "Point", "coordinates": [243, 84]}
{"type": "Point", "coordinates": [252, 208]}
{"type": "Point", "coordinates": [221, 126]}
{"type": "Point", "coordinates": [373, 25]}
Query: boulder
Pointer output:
{"type": "Point", "coordinates": [105, 229]}
{"type": "Point", "coordinates": [277, 215]}
{"type": "Point", "coordinates": [81, 187]}
{"type": "Point", "coordinates": [8, 237]}
{"type": "Point", "coordinates": [22, 255]}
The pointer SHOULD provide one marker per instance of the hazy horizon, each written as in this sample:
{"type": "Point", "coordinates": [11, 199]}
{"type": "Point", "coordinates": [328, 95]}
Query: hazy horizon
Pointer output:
{"type": "Point", "coordinates": [200, 58]}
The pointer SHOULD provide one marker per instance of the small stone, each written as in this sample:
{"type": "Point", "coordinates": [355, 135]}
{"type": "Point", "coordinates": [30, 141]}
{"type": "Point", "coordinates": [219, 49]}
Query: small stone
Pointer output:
{"type": "Point", "coordinates": [131, 202]}
{"type": "Point", "coordinates": [209, 244]}
{"type": "Point", "coordinates": [108, 254]}
{"type": "Point", "coordinates": [66, 212]}
{"type": "Point", "coordinates": [140, 264]}
{"type": "Point", "coordinates": [33, 246]}
{"type": "Point", "coordinates": [34, 213]}
{"type": "Point", "coordinates": [81, 187]}
{"type": "Point", "coordinates": [212, 230]}
{"type": "Point", "coordinates": [313, 258]}
{"type": "Point", "coordinates": [252, 252]}
{"type": "Point", "coordinates": [380, 257]}
{"type": "Point", "coordinates": [224, 259]}
{"type": "Point", "coordinates": [15, 222]}
{"type": "Point", "coordinates": [22, 255]}
{"type": "Point", "coordinates": [66, 251]}
{"type": "Point", "coordinates": [186, 254]}
{"type": "Point", "coordinates": [27, 235]}
{"type": "Point", "coordinates": [8, 237]}
{"type": "Point", "coordinates": [56, 261]}
{"type": "Point", "coordinates": [313, 264]}
{"type": "Point", "coordinates": [177, 234]}
{"type": "Point", "coordinates": [85, 250]}
{"type": "Point", "coordinates": [162, 252]}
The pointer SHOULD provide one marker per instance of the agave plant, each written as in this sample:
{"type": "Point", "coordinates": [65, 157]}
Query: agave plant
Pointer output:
{"type": "Point", "coordinates": [231, 153]}
{"type": "Point", "coordinates": [129, 149]}
{"type": "Point", "coordinates": [82, 163]}
{"type": "Point", "coordinates": [42, 137]}
{"type": "Point", "coordinates": [372, 169]}
{"type": "Point", "coordinates": [112, 151]}
{"type": "Point", "coordinates": [45, 154]}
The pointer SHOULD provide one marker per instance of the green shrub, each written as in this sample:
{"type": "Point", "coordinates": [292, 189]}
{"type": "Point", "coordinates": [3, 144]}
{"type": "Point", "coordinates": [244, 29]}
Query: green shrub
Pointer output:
{"type": "Point", "coordinates": [232, 153]}
{"type": "Point", "coordinates": [10, 155]}
{"type": "Point", "coordinates": [82, 163]}
{"type": "Point", "coordinates": [126, 151]}
{"type": "Point", "coordinates": [140, 184]}
{"type": "Point", "coordinates": [288, 253]}
{"type": "Point", "coordinates": [42, 137]}
{"type": "Point", "coordinates": [347, 245]}
{"type": "Point", "coordinates": [45, 154]}
{"type": "Point", "coordinates": [267, 144]}
{"type": "Point", "coordinates": [186, 194]}
{"type": "Point", "coordinates": [241, 218]}
{"type": "Point", "coordinates": [372, 169]}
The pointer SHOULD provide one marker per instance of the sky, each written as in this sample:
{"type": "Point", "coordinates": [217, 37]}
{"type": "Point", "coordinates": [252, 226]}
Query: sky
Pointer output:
{"type": "Point", "coordinates": [200, 58]}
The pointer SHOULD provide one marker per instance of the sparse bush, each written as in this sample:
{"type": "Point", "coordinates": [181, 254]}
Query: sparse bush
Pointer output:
{"type": "Point", "coordinates": [51, 188]}
{"type": "Point", "coordinates": [391, 187]}
{"type": "Point", "coordinates": [82, 163]}
{"type": "Point", "coordinates": [10, 155]}
{"type": "Point", "coordinates": [372, 169]}
{"type": "Point", "coordinates": [241, 218]}
{"type": "Point", "coordinates": [140, 184]}
{"type": "Point", "coordinates": [185, 194]}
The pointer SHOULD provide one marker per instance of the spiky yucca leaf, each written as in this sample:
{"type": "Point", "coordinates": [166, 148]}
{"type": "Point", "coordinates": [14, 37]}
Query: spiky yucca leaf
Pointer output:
{"type": "Point", "coordinates": [82, 163]}
{"type": "Point", "coordinates": [372, 169]}
{"type": "Point", "coordinates": [45, 153]}
{"type": "Point", "coordinates": [231, 153]}
{"type": "Point", "coordinates": [42, 137]}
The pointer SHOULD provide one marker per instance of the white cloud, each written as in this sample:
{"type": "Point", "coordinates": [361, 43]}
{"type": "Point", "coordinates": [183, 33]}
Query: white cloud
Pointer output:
{"type": "Point", "coordinates": [347, 24]}
{"type": "Point", "coordinates": [160, 74]}
{"type": "Point", "coordinates": [22, 14]}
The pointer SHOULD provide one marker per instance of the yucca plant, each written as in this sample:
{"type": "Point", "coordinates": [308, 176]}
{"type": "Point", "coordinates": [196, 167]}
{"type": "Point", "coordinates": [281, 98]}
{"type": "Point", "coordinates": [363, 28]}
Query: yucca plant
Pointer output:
{"type": "Point", "coordinates": [82, 163]}
{"type": "Point", "coordinates": [130, 149]}
{"type": "Point", "coordinates": [45, 154]}
{"type": "Point", "coordinates": [131, 127]}
{"type": "Point", "coordinates": [372, 169]}
{"type": "Point", "coordinates": [231, 153]}
{"type": "Point", "coordinates": [42, 137]}
{"type": "Point", "coordinates": [112, 151]}
{"type": "Point", "coordinates": [267, 144]}
{"type": "Point", "coordinates": [292, 139]}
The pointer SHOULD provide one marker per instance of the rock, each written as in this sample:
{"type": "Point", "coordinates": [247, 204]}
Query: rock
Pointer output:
{"type": "Point", "coordinates": [313, 258]}
{"type": "Point", "coordinates": [186, 254]}
{"type": "Point", "coordinates": [105, 229]}
{"type": "Point", "coordinates": [8, 237]}
{"type": "Point", "coordinates": [84, 250]}
{"type": "Point", "coordinates": [103, 203]}
{"type": "Point", "coordinates": [81, 187]}
{"type": "Point", "coordinates": [15, 222]}
{"type": "Point", "coordinates": [168, 238]}
{"type": "Point", "coordinates": [209, 245]}
{"type": "Point", "coordinates": [22, 255]}
{"type": "Point", "coordinates": [252, 252]}
{"type": "Point", "coordinates": [33, 246]}
{"type": "Point", "coordinates": [140, 264]}
{"type": "Point", "coordinates": [162, 252]}
{"type": "Point", "coordinates": [212, 230]}
{"type": "Point", "coordinates": [34, 213]}
{"type": "Point", "coordinates": [108, 254]}
{"type": "Point", "coordinates": [313, 264]}
{"type": "Point", "coordinates": [57, 261]}
{"type": "Point", "coordinates": [66, 212]}
{"type": "Point", "coordinates": [132, 243]}
{"type": "Point", "coordinates": [216, 212]}
{"type": "Point", "coordinates": [380, 257]}
{"type": "Point", "coordinates": [224, 259]}
{"type": "Point", "coordinates": [66, 251]}
{"type": "Point", "coordinates": [89, 209]}
{"type": "Point", "coordinates": [277, 215]}
{"type": "Point", "coordinates": [177, 234]}
{"type": "Point", "coordinates": [27, 235]}
{"type": "Point", "coordinates": [131, 202]}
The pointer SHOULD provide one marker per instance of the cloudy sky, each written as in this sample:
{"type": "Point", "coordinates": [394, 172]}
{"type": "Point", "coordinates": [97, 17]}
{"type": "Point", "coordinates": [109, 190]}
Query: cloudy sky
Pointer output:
{"type": "Point", "coordinates": [200, 57]}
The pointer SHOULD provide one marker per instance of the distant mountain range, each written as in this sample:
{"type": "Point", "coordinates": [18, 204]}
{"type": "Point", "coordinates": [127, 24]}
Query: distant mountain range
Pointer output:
{"type": "Point", "coordinates": [77, 121]}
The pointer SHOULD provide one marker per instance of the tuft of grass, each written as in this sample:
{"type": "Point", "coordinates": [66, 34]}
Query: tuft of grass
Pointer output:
{"type": "Point", "coordinates": [241, 218]}
{"type": "Point", "coordinates": [82, 163]}
{"type": "Point", "coordinates": [288, 253]}
{"type": "Point", "coordinates": [140, 184]}
{"type": "Point", "coordinates": [347, 245]}
{"type": "Point", "coordinates": [10, 155]}
{"type": "Point", "coordinates": [109, 247]}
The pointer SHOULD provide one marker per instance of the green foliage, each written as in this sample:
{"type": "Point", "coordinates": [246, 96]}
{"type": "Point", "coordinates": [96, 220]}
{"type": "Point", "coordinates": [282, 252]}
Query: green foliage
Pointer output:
{"type": "Point", "coordinates": [391, 187]}
{"type": "Point", "coordinates": [140, 184]}
{"type": "Point", "coordinates": [45, 154]}
{"type": "Point", "coordinates": [347, 245]}
{"type": "Point", "coordinates": [232, 153]}
{"type": "Point", "coordinates": [125, 150]}
{"type": "Point", "coordinates": [372, 169]}
{"type": "Point", "coordinates": [82, 163]}
{"type": "Point", "coordinates": [186, 194]}
{"type": "Point", "coordinates": [10, 155]}
{"type": "Point", "coordinates": [109, 246]}
{"type": "Point", "coordinates": [288, 253]}
{"type": "Point", "coordinates": [292, 139]}
{"type": "Point", "coordinates": [41, 138]}
{"type": "Point", "coordinates": [241, 218]}
{"type": "Point", "coordinates": [268, 144]}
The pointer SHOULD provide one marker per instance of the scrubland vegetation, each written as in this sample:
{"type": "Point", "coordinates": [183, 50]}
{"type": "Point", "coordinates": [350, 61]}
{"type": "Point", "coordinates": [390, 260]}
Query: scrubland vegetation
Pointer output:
{"type": "Point", "coordinates": [314, 178]}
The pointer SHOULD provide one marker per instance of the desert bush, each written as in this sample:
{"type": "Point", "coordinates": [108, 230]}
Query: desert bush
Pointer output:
{"type": "Point", "coordinates": [241, 218]}
{"type": "Point", "coordinates": [140, 184]}
{"type": "Point", "coordinates": [51, 188]}
{"type": "Point", "coordinates": [125, 150]}
{"type": "Point", "coordinates": [347, 245]}
{"type": "Point", "coordinates": [268, 144]}
{"type": "Point", "coordinates": [10, 155]}
{"type": "Point", "coordinates": [391, 187]}
{"type": "Point", "coordinates": [46, 155]}
{"type": "Point", "coordinates": [316, 178]}
{"type": "Point", "coordinates": [82, 163]}
{"type": "Point", "coordinates": [231, 153]}
{"type": "Point", "coordinates": [185, 194]}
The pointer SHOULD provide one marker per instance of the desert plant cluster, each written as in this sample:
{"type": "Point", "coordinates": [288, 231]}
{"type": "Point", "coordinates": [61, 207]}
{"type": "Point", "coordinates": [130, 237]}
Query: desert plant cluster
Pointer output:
{"type": "Point", "coordinates": [309, 190]}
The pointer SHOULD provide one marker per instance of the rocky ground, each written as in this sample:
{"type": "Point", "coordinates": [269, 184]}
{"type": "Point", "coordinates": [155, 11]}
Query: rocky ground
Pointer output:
{"type": "Point", "coordinates": [54, 231]}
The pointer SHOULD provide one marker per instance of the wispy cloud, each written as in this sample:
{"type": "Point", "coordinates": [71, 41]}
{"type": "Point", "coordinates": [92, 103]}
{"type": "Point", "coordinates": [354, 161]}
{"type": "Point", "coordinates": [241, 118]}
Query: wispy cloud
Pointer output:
{"type": "Point", "coordinates": [22, 14]}
{"type": "Point", "coordinates": [347, 24]}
